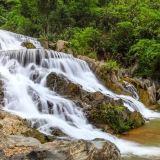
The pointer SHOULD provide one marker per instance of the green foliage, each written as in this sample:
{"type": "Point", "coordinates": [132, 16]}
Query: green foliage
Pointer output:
{"type": "Point", "coordinates": [111, 29]}
{"type": "Point", "coordinates": [110, 65]}
{"type": "Point", "coordinates": [147, 53]}
{"type": "Point", "coordinates": [83, 40]}
{"type": "Point", "coordinates": [113, 117]}
{"type": "Point", "coordinates": [93, 55]}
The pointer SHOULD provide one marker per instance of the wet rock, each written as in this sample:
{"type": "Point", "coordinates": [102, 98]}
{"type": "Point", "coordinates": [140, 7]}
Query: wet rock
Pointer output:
{"type": "Point", "coordinates": [1, 93]}
{"type": "Point", "coordinates": [56, 132]}
{"type": "Point", "coordinates": [146, 90]}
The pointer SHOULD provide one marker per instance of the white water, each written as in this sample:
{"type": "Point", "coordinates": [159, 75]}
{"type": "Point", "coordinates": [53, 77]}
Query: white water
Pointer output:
{"type": "Point", "coordinates": [24, 75]}
{"type": "Point", "coordinates": [13, 41]}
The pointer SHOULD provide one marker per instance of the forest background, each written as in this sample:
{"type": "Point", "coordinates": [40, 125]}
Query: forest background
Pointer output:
{"type": "Point", "coordinates": [122, 32]}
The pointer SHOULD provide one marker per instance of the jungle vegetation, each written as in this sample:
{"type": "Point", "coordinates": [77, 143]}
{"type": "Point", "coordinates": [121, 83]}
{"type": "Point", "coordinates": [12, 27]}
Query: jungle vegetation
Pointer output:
{"type": "Point", "coordinates": [127, 31]}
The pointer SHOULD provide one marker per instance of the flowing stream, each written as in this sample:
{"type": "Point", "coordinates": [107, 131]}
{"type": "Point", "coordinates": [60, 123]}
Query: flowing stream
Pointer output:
{"type": "Point", "coordinates": [24, 75]}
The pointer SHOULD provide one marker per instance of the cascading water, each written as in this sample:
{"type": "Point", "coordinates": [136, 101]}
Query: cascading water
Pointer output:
{"type": "Point", "coordinates": [24, 75]}
{"type": "Point", "coordinates": [11, 41]}
{"type": "Point", "coordinates": [131, 89]}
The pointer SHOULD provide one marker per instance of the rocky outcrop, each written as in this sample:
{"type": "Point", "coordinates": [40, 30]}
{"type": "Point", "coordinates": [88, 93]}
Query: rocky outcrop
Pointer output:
{"type": "Point", "coordinates": [14, 125]}
{"type": "Point", "coordinates": [147, 89]}
{"type": "Point", "coordinates": [100, 109]}
{"type": "Point", "coordinates": [18, 147]}
{"type": "Point", "coordinates": [84, 150]}
{"type": "Point", "coordinates": [109, 77]}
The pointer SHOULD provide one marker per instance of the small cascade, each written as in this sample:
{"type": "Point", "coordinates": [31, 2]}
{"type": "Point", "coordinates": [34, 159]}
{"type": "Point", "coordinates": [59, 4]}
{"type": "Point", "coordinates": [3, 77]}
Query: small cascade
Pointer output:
{"type": "Point", "coordinates": [131, 89]}
{"type": "Point", "coordinates": [13, 41]}
{"type": "Point", "coordinates": [24, 75]}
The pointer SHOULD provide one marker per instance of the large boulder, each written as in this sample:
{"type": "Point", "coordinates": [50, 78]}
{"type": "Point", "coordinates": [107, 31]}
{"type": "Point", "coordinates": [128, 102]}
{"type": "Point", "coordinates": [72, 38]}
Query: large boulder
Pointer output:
{"type": "Point", "coordinates": [84, 150]}
{"type": "Point", "coordinates": [60, 46]}
{"type": "Point", "coordinates": [19, 147]}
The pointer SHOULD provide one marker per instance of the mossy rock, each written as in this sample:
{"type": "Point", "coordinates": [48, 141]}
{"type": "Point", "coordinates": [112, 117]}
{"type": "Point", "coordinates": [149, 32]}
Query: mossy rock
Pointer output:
{"type": "Point", "coordinates": [38, 135]}
{"type": "Point", "coordinates": [112, 86]}
{"type": "Point", "coordinates": [1, 116]}
{"type": "Point", "coordinates": [28, 45]}
{"type": "Point", "coordinates": [118, 118]}
{"type": "Point", "coordinates": [1, 126]}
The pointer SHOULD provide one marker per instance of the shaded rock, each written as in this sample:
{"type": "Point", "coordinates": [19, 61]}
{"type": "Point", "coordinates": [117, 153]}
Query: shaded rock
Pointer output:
{"type": "Point", "coordinates": [52, 45]}
{"type": "Point", "coordinates": [44, 43]}
{"type": "Point", "coordinates": [123, 72]}
{"type": "Point", "coordinates": [43, 154]}
{"type": "Point", "coordinates": [56, 132]}
{"type": "Point", "coordinates": [1, 93]}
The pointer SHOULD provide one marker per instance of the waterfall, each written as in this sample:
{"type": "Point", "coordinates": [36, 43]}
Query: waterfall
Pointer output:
{"type": "Point", "coordinates": [13, 41]}
{"type": "Point", "coordinates": [29, 97]}
{"type": "Point", "coordinates": [131, 89]}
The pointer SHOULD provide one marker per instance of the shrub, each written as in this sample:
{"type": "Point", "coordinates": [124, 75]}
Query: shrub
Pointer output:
{"type": "Point", "coordinates": [93, 55]}
{"type": "Point", "coordinates": [110, 65]}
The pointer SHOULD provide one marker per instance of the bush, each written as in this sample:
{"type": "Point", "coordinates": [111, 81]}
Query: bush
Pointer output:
{"type": "Point", "coordinates": [110, 65]}
{"type": "Point", "coordinates": [93, 55]}
{"type": "Point", "coordinates": [146, 52]}
{"type": "Point", "coordinates": [84, 40]}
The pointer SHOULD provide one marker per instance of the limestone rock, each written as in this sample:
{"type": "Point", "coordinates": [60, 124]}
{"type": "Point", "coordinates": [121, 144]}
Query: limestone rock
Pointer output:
{"type": "Point", "coordinates": [83, 150]}
{"type": "Point", "coordinates": [60, 46]}
{"type": "Point", "coordinates": [14, 125]}
{"type": "Point", "coordinates": [152, 93]}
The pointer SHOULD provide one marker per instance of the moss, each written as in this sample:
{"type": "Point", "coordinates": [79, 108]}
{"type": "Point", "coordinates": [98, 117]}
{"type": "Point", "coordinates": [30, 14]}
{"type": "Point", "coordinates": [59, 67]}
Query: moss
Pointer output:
{"type": "Point", "coordinates": [1, 126]}
{"type": "Point", "coordinates": [118, 118]}
{"type": "Point", "coordinates": [38, 135]}
{"type": "Point", "coordinates": [1, 116]}
{"type": "Point", "coordinates": [29, 45]}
